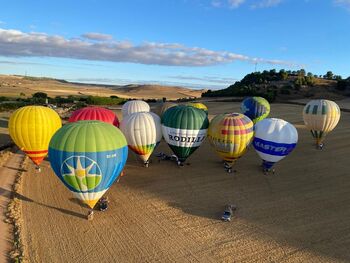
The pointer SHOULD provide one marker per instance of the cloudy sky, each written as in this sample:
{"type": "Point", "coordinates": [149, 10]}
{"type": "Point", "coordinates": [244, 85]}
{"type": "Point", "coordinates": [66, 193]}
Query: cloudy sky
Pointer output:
{"type": "Point", "coordinates": [195, 43]}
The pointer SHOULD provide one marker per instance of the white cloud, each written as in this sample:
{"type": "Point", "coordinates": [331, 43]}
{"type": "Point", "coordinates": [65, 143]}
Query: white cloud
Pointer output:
{"type": "Point", "coordinates": [209, 79]}
{"type": "Point", "coordinates": [266, 3]}
{"type": "Point", "coordinates": [235, 3]}
{"type": "Point", "coordinates": [20, 44]}
{"type": "Point", "coordinates": [227, 3]}
{"type": "Point", "coordinates": [97, 36]}
{"type": "Point", "coordinates": [343, 3]}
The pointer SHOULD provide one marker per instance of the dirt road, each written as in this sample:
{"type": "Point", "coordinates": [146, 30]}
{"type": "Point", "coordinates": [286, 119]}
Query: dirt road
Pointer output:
{"type": "Point", "coordinates": [168, 214]}
{"type": "Point", "coordinates": [8, 172]}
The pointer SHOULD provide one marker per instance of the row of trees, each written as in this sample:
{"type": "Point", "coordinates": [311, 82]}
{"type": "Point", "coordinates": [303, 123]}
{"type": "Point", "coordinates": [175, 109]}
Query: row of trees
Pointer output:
{"type": "Point", "coordinates": [262, 83]}
{"type": "Point", "coordinates": [41, 98]}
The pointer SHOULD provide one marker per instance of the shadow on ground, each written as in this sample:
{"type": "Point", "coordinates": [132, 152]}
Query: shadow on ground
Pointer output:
{"type": "Point", "coordinates": [7, 193]}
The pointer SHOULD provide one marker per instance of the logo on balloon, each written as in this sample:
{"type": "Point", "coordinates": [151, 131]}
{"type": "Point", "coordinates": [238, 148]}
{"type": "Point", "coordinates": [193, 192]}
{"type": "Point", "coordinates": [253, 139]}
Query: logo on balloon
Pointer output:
{"type": "Point", "coordinates": [81, 173]}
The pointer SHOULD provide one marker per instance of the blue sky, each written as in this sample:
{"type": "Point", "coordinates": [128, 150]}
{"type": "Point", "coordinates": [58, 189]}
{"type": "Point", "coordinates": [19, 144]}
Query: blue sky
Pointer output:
{"type": "Point", "coordinates": [195, 43]}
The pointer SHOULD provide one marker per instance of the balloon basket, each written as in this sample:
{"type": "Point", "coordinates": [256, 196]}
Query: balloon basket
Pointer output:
{"type": "Point", "coordinates": [228, 168]}
{"type": "Point", "coordinates": [37, 168]}
{"type": "Point", "coordinates": [319, 146]}
{"type": "Point", "coordinates": [180, 164]}
{"type": "Point", "coordinates": [268, 171]}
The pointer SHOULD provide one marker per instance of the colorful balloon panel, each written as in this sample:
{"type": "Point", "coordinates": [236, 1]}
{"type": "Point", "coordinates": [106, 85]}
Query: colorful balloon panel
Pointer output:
{"type": "Point", "coordinates": [321, 117]}
{"type": "Point", "coordinates": [95, 113]}
{"type": "Point", "coordinates": [256, 108]}
{"type": "Point", "coordinates": [184, 129]}
{"type": "Point", "coordinates": [143, 132]}
{"type": "Point", "coordinates": [88, 156]}
{"type": "Point", "coordinates": [199, 105]}
{"type": "Point", "coordinates": [31, 128]}
{"type": "Point", "coordinates": [230, 134]}
{"type": "Point", "coordinates": [133, 106]}
{"type": "Point", "coordinates": [274, 139]}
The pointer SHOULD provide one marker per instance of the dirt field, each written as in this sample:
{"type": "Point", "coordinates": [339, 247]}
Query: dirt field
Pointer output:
{"type": "Point", "coordinates": [15, 85]}
{"type": "Point", "coordinates": [168, 214]}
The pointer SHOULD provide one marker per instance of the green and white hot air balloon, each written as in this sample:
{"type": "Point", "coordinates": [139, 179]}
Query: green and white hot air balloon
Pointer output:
{"type": "Point", "coordinates": [184, 129]}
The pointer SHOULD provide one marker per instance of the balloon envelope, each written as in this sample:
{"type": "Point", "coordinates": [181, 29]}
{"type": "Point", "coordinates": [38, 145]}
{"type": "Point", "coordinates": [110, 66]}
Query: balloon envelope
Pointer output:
{"type": "Point", "coordinates": [321, 117]}
{"type": "Point", "coordinates": [88, 156]}
{"type": "Point", "coordinates": [230, 134]}
{"type": "Point", "coordinates": [184, 129]}
{"type": "Point", "coordinates": [143, 132]}
{"type": "Point", "coordinates": [167, 105]}
{"type": "Point", "coordinates": [133, 106]}
{"type": "Point", "coordinates": [95, 113]}
{"type": "Point", "coordinates": [199, 105]}
{"type": "Point", "coordinates": [256, 108]}
{"type": "Point", "coordinates": [274, 139]}
{"type": "Point", "coordinates": [31, 128]}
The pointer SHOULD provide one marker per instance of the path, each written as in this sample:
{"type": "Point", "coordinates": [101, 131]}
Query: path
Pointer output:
{"type": "Point", "coordinates": [7, 177]}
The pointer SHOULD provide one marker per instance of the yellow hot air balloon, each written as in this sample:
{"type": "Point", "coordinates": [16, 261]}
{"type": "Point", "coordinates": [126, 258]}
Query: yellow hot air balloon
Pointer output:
{"type": "Point", "coordinates": [31, 128]}
{"type": "Point", "coordinates": [199, 105]}
{"type": "Point", "coordinates": [321, 117]}
{"type": "Point", "coordinates": [230, 134]}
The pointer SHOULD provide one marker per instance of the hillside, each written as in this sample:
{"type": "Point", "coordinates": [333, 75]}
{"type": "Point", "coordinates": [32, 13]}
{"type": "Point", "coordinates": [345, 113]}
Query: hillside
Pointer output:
{"type": "Point", "coordinates": [286, 85]}
{"type": "Point", "coordinates": [15, 86]}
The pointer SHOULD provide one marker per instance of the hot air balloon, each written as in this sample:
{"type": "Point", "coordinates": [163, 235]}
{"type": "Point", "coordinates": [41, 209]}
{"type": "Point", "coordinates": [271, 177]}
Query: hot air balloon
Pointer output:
{"type": "Point", "coordinates": [95, 113]}
{"type": "Point", "coordinates": [274, 139]}
{"type": "Point", "coordinates": [184, 129]}
{"type": "Point", "coordinates": [133, 106]}
{"type": "Point", "coordinates": [143, 132]}
{"type": "Point", "coordinates": [256, 108]}
{"type": "Point", "coordinates": [230, 134]}
{"type": "Point", "coordinates": [321, 117]}
{"type": "Point", "coordinates": [199, 105]}
{"type": "Point", "coordinates": [167, 105]}
{"type": "Point", "coordinates": [88, 156]}
{"type": "Point", "coordinates": [31, 128]}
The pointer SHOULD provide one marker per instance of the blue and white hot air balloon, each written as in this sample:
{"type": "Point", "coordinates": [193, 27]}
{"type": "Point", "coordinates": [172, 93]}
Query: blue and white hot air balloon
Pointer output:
{"type": "Point", "coordinates": [274, 139]}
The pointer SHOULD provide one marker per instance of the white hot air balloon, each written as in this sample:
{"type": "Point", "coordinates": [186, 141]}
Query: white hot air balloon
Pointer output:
{"type": "Point", "coordinates": [274, 139]}
{"type": "Point", "coordinates": [133, 106]}
{"type": "Point", "coordinates": [321, 117]}
{"type": "Point", "coordinates": [143, 132]}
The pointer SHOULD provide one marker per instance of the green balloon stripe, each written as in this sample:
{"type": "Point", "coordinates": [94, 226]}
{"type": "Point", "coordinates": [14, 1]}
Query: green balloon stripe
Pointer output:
{"type": "Point", "coordinates": [97, 136]}
{"type": "Point", "coordinates": [185, 117]}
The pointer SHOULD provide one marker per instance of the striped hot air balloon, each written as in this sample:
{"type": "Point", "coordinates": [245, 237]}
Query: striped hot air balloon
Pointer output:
{"type": "Point", "coordinates": [274, 139]}
{"type": "Point", "coordinates": [256, 108]}
{"type": "Point", "coordinates": [199, 105]}
{"type": "Point", "coordinates": [95, 113]}
{"type": "Point", "coordinates": [88, 156]}
{"type": "Point", "coordinates": [184, 129]}
{"type": "Point", "coordinates": [143, 132]}
{"type": "Point", "coordinates": [230, 134]}
{"type": "Point", "coordinates": [31, 128]}
{"type": "Point", "coordinates": [133, 106]}
{"type": "Point", "coordinates": [321, 117]}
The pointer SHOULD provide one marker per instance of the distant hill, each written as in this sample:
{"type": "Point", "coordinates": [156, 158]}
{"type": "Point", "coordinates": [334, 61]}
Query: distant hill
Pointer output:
{"type": "Point", "coordinates": [286, 85]}
{"type": "Point", "coordinates": [15, 86]}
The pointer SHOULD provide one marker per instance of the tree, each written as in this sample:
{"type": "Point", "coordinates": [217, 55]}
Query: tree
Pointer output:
{"type": "Point", "coordinates": [329, 75]}
{"type": "Point", "coordinates": [283, 74]}
{"type": "Point", "coordinates": [22, 94]}
{"type": "Point", "coordinates": [301, 73]}
{"type": "Point", "coordinates": [41, 95]}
